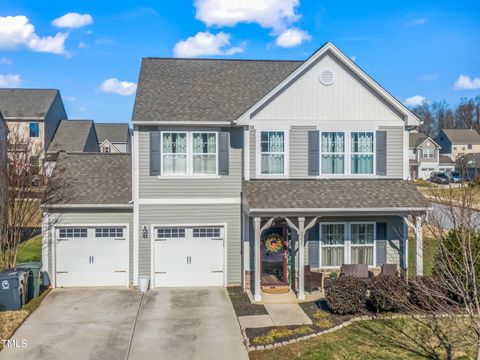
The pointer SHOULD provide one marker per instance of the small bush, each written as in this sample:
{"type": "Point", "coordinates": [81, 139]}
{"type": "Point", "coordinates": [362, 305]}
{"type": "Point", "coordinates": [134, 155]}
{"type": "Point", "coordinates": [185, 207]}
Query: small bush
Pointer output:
{"type": "Point", "coordinates": [322, 319]}
{"type": "Point", "coordinates": [346, 295]}
{"type": "Point", "coordinates": [281, 333]}
{"type": "Point", "coordinates": [425, 293]}
{"type": "Point", "coordinates": [387, 293]}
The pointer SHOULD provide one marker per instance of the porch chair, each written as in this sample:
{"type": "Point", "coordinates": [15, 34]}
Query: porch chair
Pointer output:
{"type": "Point", "coordinates": [356, 270]}
{"type": "Point", "coordinates": [312, 280]}
{"type": "Point", "coordinates": [389, 270]}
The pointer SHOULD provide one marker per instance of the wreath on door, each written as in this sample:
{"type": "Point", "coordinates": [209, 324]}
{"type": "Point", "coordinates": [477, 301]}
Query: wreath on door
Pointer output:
{"type": "Point", "coordinates": [274, 243]}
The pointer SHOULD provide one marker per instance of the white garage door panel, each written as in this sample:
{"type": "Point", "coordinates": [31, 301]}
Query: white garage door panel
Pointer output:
{"type": "Point", "coordinates": [92, 261]}
{"type": "Point", "coordinates": [189, 261]}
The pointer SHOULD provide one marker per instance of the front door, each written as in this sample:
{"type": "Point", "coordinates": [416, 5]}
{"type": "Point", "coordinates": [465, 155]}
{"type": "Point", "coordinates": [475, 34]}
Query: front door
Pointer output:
{"type": "Point", "coordinates": [274, 257]}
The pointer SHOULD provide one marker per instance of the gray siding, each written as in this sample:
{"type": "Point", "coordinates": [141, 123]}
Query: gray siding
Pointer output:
{"type": "Point", "coordinates": [194, 214]}
{"type": "Point", "coordinates": [92, 217]}
{"type": "Point", "coordinates": [394, 150]}
{"type": "Point", "coordinates": [224, 186]}
{"type": "Point", "coordinates": [53, 117]}
{"type": "Point", "coordinates": [299, 151]}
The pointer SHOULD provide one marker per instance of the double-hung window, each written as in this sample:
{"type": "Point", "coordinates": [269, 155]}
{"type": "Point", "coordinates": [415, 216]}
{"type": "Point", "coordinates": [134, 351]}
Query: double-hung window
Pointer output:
{"type": "Point", "coordinates": [361, 153]}
{"type": "Point", "coordinates": [204, 153]}
{"type": "Point", "coordinates": [33, 129]}
{"type": "Point", "coordinates": [272, 157]}
{"type": "Point", "coordinates": [428, 153]}
{"type": "Point", "coordinates": [362, 243]}
{"type": "Point", "coordinates": [332, 237]}
{"type": "Point", "coordinates": [174, 153]}
{"type": "Point", "coordinates": [333, 153]}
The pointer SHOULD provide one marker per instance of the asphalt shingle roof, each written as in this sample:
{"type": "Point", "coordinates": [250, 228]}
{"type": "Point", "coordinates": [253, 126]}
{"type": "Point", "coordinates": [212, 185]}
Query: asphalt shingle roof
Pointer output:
{"type": "Point", "coordinates": [26, 102]}
{"type": "Point", "coordinates": [204, 90]}
{"type": "Point", "coordinates": [71, 136]}
{"type": "Point", "coordinates": [443, 159]}
{"type": "Point", "coordinates": [462, 136]}
{"type": "Point", "coordinates": [95, 178]}
{"type": "Point", "coordinates": [415, 139]}
{"type": "Point", "coordinates": [115, 133]}
{"type": "Point", "coordinates": [331, 194]}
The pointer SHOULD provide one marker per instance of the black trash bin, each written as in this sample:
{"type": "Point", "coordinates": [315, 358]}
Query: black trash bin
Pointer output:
{"type": "Point", "coordinates": [13, 288]}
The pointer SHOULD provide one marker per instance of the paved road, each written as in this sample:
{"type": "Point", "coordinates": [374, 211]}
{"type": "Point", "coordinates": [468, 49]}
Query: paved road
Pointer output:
{"type": "Point", "coordinates": [444, 216]}
{"type": "Point", "coordinates": [102, 324]}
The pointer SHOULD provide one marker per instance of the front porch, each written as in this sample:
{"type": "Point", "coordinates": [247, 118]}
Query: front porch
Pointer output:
{"type": "Point", "coordinates": [282, 244]}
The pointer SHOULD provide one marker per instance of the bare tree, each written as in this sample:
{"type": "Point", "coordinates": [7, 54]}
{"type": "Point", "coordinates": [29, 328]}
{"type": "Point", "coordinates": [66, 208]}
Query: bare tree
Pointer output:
{"type": "Point", "coordinates": [25, 187]}
{"type": "Point", "coordinates": [444, 116]}
{"type": "Point", "coordinates": [424, 113]}
{"type": "Point", "coordinates": [465, 114]}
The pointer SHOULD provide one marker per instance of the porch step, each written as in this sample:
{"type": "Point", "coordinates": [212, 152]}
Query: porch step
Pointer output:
{"type": "Point", "coordinates": [275, 289]}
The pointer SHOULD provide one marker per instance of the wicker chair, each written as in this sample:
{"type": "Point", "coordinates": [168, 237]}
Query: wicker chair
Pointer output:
{"type": "Point", "coordinates": [356, 270]}
{"type": "Point", "coordinates": [389, 270]}
{"type": "Point", "coordinates": [313, 280]}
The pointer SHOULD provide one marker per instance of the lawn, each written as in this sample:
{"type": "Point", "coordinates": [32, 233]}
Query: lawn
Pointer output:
{"type": "Point", "coordinates": [375, 339]}
{"type": "Point", "coordinates": [430, 246]}
{"type": "Point", "coordinates": [30, 250]}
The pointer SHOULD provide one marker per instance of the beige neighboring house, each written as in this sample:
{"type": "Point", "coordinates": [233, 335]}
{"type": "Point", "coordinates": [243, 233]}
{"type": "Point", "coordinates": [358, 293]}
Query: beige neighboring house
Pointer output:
{"type": "Point", "coordinates": [3, 138]}
{"type": "Point", "coordinates": [114, 138]}
{"type": "Point", "coordinates": [458, 142]}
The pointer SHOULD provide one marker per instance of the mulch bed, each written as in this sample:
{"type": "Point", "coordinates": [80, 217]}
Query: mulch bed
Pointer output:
{"type": "Point", "coordinates": [242, 305]}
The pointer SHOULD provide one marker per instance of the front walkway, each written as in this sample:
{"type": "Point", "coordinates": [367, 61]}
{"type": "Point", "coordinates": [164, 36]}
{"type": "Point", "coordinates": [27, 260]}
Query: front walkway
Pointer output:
{"type": "Point", "coordinates": [278, 315]}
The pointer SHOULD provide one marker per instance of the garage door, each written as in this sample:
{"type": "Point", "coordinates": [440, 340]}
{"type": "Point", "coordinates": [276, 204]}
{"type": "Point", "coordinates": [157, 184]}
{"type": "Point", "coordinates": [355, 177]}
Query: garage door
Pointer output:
{"type": "Point", "coordinates": [189, 256]}
{"type": "Point", "coordinates": [92, 256]}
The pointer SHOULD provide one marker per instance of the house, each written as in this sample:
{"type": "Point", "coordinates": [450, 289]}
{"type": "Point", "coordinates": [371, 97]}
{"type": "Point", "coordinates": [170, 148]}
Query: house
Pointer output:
{"type": "Point", "coordinates": [33, 114]}
{"type": "Point", "coordinates": [242, 172]}
{"type": "Point", "coordinates": [458, 142]}
{"type": "Point", "coordinates": [425, 158]}
{"type": "Point", "coordinates": [3, 138]}
{"type": "Point", "coordinates": [114, 138]}
{"type": "Point", "coordinates": [469, 165]}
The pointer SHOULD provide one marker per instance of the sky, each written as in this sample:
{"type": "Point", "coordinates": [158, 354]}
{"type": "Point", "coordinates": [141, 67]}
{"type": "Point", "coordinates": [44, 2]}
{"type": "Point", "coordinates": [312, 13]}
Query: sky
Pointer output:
{"type": "Point", "coordinates": [91, 50]}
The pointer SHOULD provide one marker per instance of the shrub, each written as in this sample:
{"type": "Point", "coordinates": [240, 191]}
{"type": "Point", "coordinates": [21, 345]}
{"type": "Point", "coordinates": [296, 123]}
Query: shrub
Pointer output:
{"type": "Point", "coordinates": [346, 295]}
{"type": "Point", "coordinates": [281, 333]}
{"type": "Point", "coordinates": [387, 293]}
{"type": "Point", "coordinates": [427, 293]}
{"type": "Point", "coordinates": [322, 319]}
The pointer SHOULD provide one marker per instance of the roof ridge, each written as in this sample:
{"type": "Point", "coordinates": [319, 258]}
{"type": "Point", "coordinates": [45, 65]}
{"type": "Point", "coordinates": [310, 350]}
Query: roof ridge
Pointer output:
{"type": "Point", "coordinates": [214, 59]}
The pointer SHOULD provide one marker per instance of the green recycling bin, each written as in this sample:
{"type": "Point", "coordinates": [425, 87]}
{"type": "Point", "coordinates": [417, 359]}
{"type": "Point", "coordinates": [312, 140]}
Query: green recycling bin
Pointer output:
{"type": "Point", "coordinates": [35, 267]}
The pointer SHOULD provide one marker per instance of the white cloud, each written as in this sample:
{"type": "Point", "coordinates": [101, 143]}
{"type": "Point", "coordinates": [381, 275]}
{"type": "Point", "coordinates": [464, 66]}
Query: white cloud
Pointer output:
{"type": "Point", "coordinates": [464, 82]}
{"type": "Point", "coordinates": [73, 20]}
{"type": "Point", "coordinates": [274, 14]}
{"type": "Point", "coordinates": [115, 86]}
{"type": "Point", "coordinates": [5, 61]}
{"type": "Point", "coordinates": [206, 44]}
{"type": "Point", "coordinates": [292, 37]}
{"type": "Point", "coordinates": [416, 22]}
{"type": "Point", "coordinates": [414, 100]}
{"type": "Point", "coordinates": [10, 80]}
{"type": "Point", "coordinates": [17, 32]}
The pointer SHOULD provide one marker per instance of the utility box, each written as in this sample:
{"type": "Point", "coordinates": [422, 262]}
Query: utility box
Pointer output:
{"type": "Point", "coordinates": [13, 288]}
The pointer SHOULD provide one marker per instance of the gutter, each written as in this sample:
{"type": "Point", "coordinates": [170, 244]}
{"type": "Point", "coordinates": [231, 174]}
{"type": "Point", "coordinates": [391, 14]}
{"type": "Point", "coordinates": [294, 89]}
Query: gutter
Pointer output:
{"type": "Point", "coordinates": [88, 206]}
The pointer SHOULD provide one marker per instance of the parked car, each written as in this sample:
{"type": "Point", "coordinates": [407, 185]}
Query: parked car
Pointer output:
{"type": "Point", "coordinates": [440, 178]}
{"type": "Point", "coordinates": [455, 177]}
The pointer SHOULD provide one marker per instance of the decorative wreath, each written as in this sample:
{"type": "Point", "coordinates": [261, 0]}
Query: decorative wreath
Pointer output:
{"type": "Point", "coordinates": [274, 243]}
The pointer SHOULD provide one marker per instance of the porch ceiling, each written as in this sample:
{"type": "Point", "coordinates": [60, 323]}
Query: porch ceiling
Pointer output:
{"type": "Point", "coordinates": [332, 196]}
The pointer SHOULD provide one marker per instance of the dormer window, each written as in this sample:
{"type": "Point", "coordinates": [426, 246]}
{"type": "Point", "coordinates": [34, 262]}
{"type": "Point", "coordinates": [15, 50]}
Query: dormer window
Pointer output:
{"type": "Point", "coordinates": [428, 153]}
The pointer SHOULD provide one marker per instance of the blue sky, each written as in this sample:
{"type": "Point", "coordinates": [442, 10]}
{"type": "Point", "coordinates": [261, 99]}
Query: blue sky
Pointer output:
{"type": "Point", "coordinates": [415, 49]}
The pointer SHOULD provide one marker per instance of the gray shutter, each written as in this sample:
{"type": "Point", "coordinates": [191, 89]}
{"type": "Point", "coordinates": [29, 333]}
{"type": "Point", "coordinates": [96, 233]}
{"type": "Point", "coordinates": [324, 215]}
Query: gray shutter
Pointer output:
{"type": "Point", "coordinates": [381, 152]}
{"type": "Point", "coordinates": [155, 156]}
{"type": "Point", "coordinates": [381, 243]}
{"type": "Point", "coordinates": [313, 253]}
{"type": "Point", "coordinates": [313, 152]}
{"type": "Point", "coordinates": [223, 150]}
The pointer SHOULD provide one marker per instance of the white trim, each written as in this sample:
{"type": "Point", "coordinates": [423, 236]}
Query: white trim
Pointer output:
{"type": "Point", "coordinates": [86, 206]}
{"type": "Point", "coordinates": [136, 205]}
{"type": "Point", "coordinates": [178, 123]}
{"type": "Point", "coordinates": [101, 145]}
{"type": "Point", "coordinates": [45, 241]}
{"type": "Point", "coordinates": [190, 225]}
{"type": "Point", "coordinates": [246, 153]}
{"type": "Point", "coordinates": [189, 201]}
{"type": "Point", "coordinates": [246, 116]}
{"type": "Point", "coordinates": [89, 225]}
{"type": "Point", "coordinates": [258, 154]}
{"type": "Point", "coordinates": [328, 210]}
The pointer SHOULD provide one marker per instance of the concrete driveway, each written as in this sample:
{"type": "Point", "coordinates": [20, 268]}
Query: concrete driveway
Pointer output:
{"type": "Point", "coordinates": [104, 324]}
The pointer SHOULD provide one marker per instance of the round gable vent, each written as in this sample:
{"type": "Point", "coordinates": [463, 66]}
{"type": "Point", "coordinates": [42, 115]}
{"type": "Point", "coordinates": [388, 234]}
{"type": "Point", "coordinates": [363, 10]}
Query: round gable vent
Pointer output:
{"type": "Point", "coordinates": [327, 77]}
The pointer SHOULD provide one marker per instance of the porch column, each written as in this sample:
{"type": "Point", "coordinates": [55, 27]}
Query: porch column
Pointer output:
{"type": "Point", "coordinates": [257, 296]}
{"type": "Point", "coordinates": [418, 245]}
{"type": "Point", "coordinates": [301, 258]}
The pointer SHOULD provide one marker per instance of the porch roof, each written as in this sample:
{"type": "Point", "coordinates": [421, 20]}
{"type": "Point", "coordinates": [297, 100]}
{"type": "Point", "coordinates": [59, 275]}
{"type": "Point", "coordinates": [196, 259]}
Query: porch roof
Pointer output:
{"type": "Point", "coordinates": [331, 196]}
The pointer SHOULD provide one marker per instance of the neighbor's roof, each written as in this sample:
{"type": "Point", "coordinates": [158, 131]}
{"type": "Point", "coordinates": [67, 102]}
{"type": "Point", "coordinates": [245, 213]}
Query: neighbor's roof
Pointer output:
{"type": "Point", "coordinates": [95, 178]}
{"type": "Point", "coordinates": [115, 133]}
{"type": "Point", "coordinates": [443, 159]}
{"type": "Point", "coordinates": [332, 194]}
{"type": "Point", "coordinates": [415, 139]}
{"type": "Point", "coordinates": [468, 161]}
{"type": "Point", "coordinates": [72, 136]}
{"type": "Point", "coordinates": [463, 136]}
{"type": "Point", "coordinates": [21, 103]}
{"type": "Point", "coordinates": [204, 89]}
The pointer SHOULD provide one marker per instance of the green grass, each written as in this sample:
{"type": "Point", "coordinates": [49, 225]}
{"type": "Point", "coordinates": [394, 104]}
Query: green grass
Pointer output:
{"type": "Point", "coordinates": [376, 339]}
{"type": "Point", "coordinates": [30, 250]}
{"type": "Point", "coordinates": [429, 250]}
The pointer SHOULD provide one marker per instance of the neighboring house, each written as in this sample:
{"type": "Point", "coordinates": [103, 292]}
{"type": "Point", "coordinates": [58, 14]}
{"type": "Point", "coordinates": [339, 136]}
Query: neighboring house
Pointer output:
{"type": "Point", "coordinates": [469, 166]}
{"type": "Point", "coordinates": [3, 139]}
{"type": "Point", "coordinates": [231, 155]}
{"type": "Point", "coordinates": [458, 142]}
{"type": "Point", "coordinates": [114, 138]}
{"type": "Point", "coordinates": [33, 113]}
{"type": "Point", "coordinates": [425, 158]}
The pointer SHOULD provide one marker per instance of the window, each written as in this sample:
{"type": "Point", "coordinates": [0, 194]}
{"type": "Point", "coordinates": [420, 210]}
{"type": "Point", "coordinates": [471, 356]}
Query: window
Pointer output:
{"type": "Point", "coordinates": [174, 153]}
{"type": "Point", "coordinates": [428, 153]}
{"type": "Point", "coordinates": [333, 244]}
{"type": "Point", "coordinates": [333, 153]}
{"type": "Point", "coordinates": [272, 147]}
{"type": "Point", "coordinates": [72, 233]}
{"type": "Point", "coordinates": [34, 129]}
{"type": "Point", "coordinates": [109, 232]}
{"type": "Point", "coordinates": [362, 152]}
{"type": "Point", "coordinates": [206, 232]}
{"type": "Point", "coordinates": [362, 239]}
{"type": "Point", "coordinates": [170, 233]}
{"type": "Point", "coordinates": [204, 153]}
{"type": "Point", "coordinates": [470, 146]}
{"type": "Point", "coordinates": [106, 149]}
